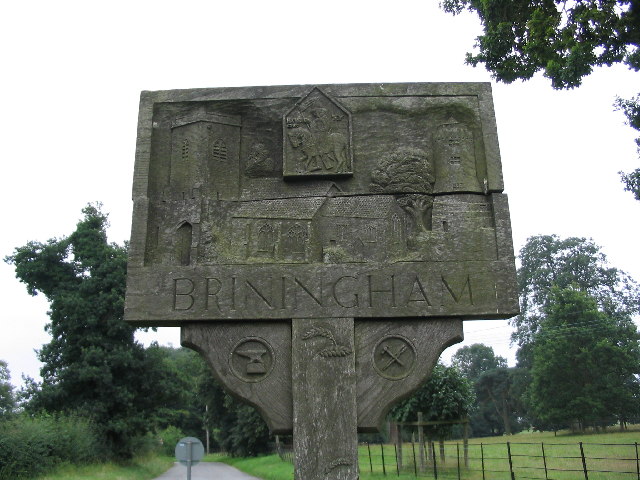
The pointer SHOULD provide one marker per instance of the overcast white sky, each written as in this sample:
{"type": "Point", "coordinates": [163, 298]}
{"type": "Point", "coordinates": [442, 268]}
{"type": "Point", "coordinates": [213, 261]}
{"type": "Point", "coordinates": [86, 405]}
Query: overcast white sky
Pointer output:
{"type": "Point", "coordinates": [73, 72]}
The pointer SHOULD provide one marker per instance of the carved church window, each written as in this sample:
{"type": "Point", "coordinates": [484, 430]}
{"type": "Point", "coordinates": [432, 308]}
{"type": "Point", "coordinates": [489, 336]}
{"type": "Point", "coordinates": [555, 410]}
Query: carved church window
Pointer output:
{"type": "Point", "coordinates": [184, 238]}
{"type": "Point", "coordinates": [266, 238]}
{"type": "Point", "coordinates": [219, 152]}
{"type": "Point", "coordinates": [296, 238]}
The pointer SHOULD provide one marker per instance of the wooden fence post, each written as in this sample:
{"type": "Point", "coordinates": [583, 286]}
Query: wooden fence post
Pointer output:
{"type": "Point", "coordinates": [584, 463]}
{"type": "Point", "coordinates": [399, 449]}
{"type": "Point", "coordinates": [513, 477]}
{"type": "Point", "coordinates": [465, 443]}
{"type": "Point", "coordinates": [421, 441]}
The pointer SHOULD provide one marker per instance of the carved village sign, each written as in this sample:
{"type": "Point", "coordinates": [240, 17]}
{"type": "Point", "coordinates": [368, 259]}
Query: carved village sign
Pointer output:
{"type": "Point", "coordinates": [320, 245]}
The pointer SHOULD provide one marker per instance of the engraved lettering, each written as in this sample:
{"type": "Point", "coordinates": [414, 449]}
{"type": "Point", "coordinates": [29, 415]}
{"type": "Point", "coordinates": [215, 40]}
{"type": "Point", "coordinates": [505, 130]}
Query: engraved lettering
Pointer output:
{"type": "Point", "coordinates": [308, 292]}
{"type": "Point", "coordinates": [392, 290]}
{"type": "Point", "coordinates": [247, 296]}
{"type": "Point", "coordinates": [258, 293]}
{"type": "Point", "coordinates": [465, 286]}
{"type": "Point", "coordinates": [182, 294]}
{"type": "Point", "coordinates": [355, 302]}
{"type": "Point", "coordinates": [212, 291]}
{"type": "Point", "coordinates": [420, 292]}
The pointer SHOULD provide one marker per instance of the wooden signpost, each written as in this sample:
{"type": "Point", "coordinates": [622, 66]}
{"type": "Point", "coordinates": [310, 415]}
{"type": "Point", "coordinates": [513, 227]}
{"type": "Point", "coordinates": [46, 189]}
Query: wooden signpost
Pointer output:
{"type": "Point", "coordinates": [320, 245]}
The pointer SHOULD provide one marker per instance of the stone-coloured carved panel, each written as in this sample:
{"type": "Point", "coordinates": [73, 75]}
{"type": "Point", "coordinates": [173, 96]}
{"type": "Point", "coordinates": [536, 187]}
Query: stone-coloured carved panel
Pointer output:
{"type": "Point", "coordinates": [317, 137]}
{"type": "Point", "coordinates": [393, 359]}
{"type": "Point", "coordinates": [252, 359]}
{"type": "Point", "coordinates": [253, 363]}
{"type": "Point", "coordinates": [324, 398]}
{"type": "Point", "coordinates": [454, 151]}
{"type": "Point", "coordinates": [263, 291]}
{"type": "Point", "coordinates": [281, 202]}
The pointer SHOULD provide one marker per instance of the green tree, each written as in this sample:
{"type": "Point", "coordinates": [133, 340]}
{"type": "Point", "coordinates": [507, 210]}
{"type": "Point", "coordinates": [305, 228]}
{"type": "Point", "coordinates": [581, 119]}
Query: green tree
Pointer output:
{"type": "Point", "coordinates": [447, 395]}
{"type": "Point", "coordinates": [196, 402]}
{"type": "Point", "coordinates": [495, 390]}
{"type": "Point", "coordinates": [185, 399]}
{"type": "Point", "coordinates": [585, 363]}
{"type": "Point", "coordinates": [7, 398]}
{"type": "Point", "coordinates": [546, 261]}
{"type": "Point", "coordinates": [473, 360]}
{"type": "Point", "coordinates": [92, 365]}
{"type": "Point", "coordinates": [565, 40]}
{"type": "Point", "coordinates": [247, 434]}
{"type": "Point", "coordinates": [495, 410]}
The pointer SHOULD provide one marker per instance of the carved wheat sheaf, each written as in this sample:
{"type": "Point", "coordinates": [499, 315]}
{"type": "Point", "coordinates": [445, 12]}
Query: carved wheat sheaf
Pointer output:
{"type": "Point", "coordinates": [337, 463]}
{"type": "Point", "coordinates": [333, 351]}
{"type": "Point", "coordinates": [337, 351]}
{"type": "Point", "coordinates": [318, 332]}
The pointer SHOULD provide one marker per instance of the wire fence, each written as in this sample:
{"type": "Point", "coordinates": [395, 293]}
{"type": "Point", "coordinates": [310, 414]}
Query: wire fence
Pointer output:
{"type": "Point", "coordinates": [498, 461]}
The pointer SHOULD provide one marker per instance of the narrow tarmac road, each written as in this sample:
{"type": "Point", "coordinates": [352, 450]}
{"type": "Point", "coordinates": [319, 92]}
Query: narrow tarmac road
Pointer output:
{"type": "Point", "coordinates": [205, 471]}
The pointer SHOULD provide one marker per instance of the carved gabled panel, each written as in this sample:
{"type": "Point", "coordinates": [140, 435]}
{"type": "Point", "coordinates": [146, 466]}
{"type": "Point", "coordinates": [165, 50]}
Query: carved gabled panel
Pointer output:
{"type": "Point", "coordinates": [317, 138]}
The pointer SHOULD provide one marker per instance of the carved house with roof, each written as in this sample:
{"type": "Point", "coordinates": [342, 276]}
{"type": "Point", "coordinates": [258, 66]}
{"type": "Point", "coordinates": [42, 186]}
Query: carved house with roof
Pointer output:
{"type": "Point", "coordinates": [315, 229]}
{"type": "Point", "coordinates": [362, 228]}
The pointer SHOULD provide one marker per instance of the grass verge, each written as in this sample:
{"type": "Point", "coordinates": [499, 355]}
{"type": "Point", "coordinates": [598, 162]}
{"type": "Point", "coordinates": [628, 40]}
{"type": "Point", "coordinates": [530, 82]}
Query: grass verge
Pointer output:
{"type": "Point", "coordinates": [145, 468]}
{"type": "Point", "coordinates": [562, 450]}
{"type": "Point", "coordinates": [267, 467]}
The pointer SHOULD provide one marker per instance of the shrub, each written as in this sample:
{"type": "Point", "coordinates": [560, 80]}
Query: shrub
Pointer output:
{"type": "Point", "coordinates": [168, 439]}
{"type": "Point", "coordinates": [31, 446]}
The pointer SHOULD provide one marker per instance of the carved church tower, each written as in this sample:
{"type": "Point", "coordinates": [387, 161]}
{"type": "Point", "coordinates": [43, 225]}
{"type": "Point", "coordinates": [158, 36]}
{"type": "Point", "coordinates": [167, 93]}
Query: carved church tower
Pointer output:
{"type": "Point", "coordinates": [205, 156]}
{"type": "Point", "coordinates": [455, 159]}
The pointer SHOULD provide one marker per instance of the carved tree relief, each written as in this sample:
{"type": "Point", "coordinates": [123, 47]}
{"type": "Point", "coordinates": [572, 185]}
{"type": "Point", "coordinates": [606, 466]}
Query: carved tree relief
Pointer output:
{"type": "Point", "coordinates": [408, 174]}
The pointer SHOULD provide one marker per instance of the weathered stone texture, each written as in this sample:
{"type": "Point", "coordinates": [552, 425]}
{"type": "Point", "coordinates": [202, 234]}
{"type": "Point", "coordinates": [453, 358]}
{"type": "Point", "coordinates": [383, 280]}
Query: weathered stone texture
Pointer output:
{"type": "Point", "coordinates": [324, 399]}
{"type": "Point", "coordinates": [293, 202]}
{"type": "Point", "coordinates": [320, 245]}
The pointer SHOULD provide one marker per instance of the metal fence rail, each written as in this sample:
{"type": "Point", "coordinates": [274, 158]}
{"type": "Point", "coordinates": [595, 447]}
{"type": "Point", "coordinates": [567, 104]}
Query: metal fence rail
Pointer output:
{"type": "Point", "coordinates": [498, 461]}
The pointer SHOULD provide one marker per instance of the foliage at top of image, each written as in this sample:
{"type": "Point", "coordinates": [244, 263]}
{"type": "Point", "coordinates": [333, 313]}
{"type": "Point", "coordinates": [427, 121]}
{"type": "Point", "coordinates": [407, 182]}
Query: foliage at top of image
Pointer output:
{"type": "Point", "coordinates": [564, 40]}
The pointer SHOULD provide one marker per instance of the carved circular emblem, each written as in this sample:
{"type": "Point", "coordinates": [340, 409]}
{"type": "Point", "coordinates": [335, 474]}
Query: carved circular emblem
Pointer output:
{"type": "Point", "coordinates": [394, 357]}
{"type": "Point", "coordinates": [252, 359]}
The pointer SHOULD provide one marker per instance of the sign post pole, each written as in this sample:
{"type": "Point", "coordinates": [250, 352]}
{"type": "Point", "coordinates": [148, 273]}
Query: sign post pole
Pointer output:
{"type": "Point", "coordinates": [324, 399]}
{"type": "Point", "coordinates": [189, 451]}
{"type": "Point", "coordinates": [189, 458]}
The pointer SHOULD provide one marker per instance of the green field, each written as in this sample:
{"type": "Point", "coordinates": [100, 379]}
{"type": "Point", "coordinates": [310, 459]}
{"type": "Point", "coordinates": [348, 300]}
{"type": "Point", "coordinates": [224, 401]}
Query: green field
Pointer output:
{"type": "Point", "coordinates": [562, 452]}
{"type": "Point", "coordinates": [608, 453]}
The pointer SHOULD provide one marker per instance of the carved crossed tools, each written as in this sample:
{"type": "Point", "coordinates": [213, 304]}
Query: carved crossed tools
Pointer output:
{"type": "Point", "coordinates": [395, 357]}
